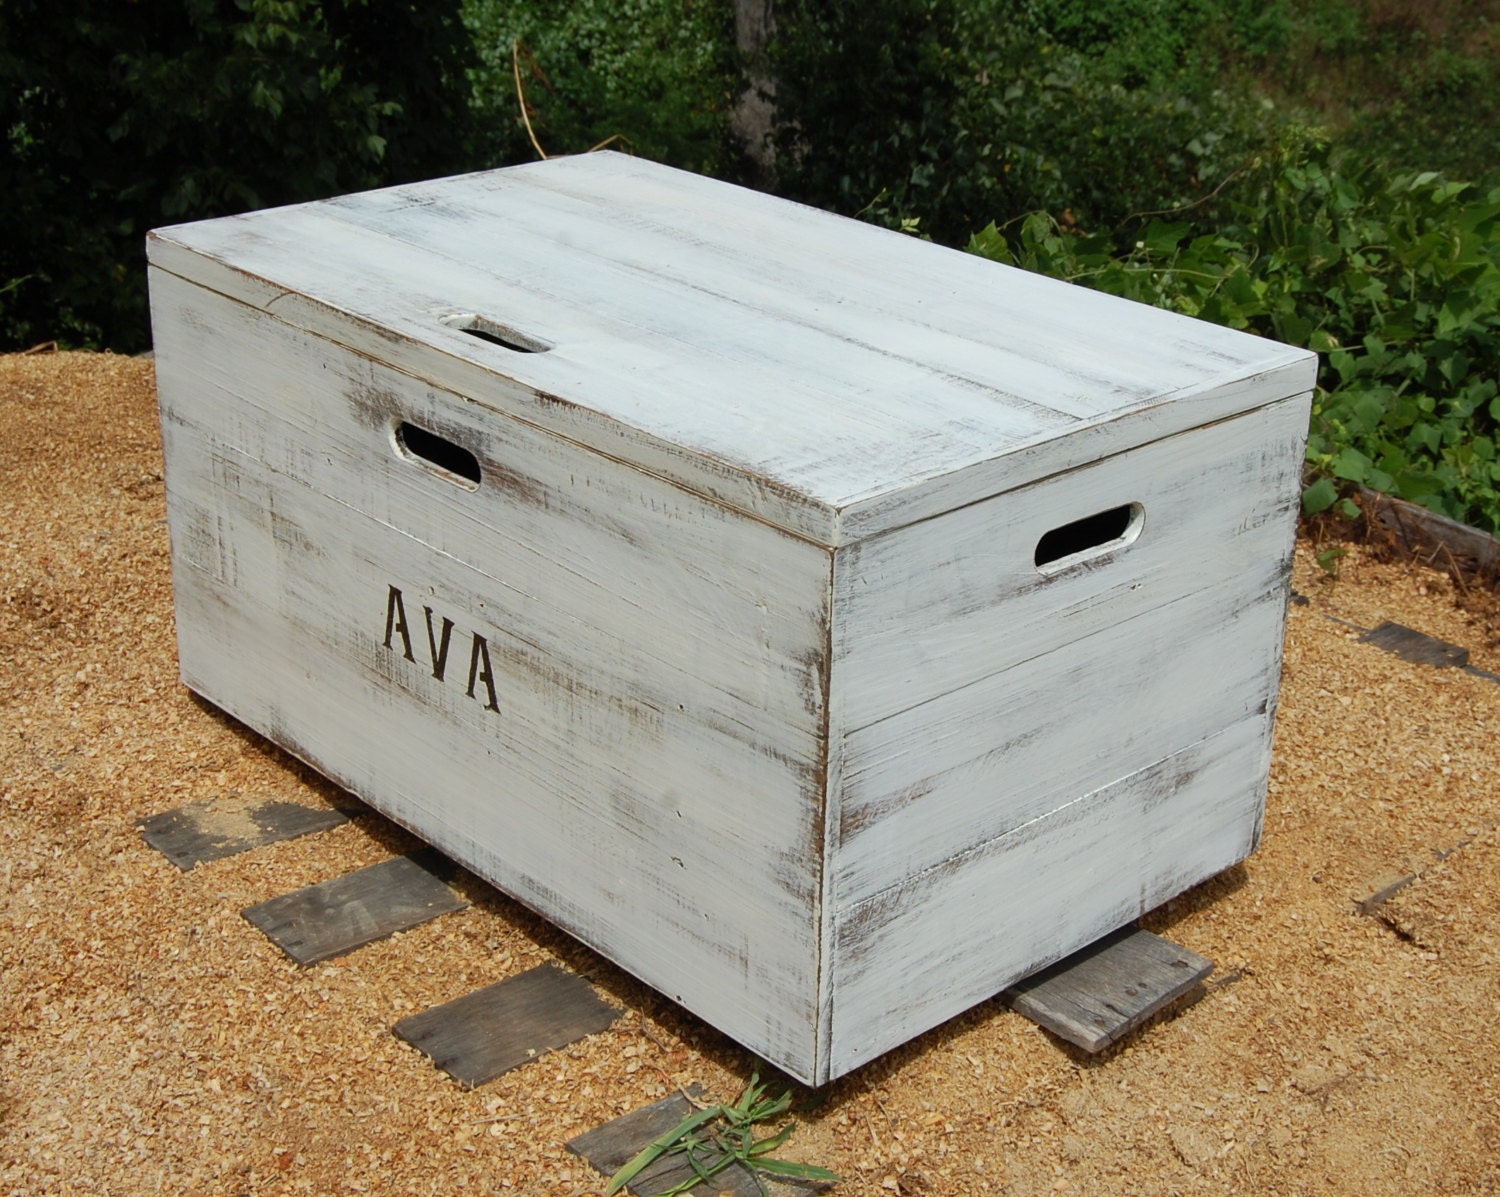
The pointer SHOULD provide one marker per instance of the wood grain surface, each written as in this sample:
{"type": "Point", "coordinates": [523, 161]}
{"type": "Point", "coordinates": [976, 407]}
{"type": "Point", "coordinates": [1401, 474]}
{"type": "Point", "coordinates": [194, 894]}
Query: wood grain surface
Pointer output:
{"type": "Point", "coordinates": [334, 917]}
{"type": "Point", "coordinates": [213, 829]}
{"type": "Point", "coordinates": [1097, 996]}
{"type": "Point", "coordinates": [483, 1034]}
{"type": "Point", "coordinates": [611, 1146]}
{"type": "Point", "coordinates": [650, 776]}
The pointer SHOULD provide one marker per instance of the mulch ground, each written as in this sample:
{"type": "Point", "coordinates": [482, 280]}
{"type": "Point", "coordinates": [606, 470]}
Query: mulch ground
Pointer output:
{"type": "Point", "coordinates": [151, 1040]}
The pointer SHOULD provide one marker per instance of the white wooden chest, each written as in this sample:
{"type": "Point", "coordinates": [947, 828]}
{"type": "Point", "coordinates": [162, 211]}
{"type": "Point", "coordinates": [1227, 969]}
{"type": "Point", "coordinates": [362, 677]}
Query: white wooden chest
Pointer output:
{"type": "Point", "coordinates": [828, 627]}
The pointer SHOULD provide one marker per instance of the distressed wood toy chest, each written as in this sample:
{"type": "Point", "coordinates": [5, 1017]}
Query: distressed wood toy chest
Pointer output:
{"type": "Point", "coordinates": [828, 627]}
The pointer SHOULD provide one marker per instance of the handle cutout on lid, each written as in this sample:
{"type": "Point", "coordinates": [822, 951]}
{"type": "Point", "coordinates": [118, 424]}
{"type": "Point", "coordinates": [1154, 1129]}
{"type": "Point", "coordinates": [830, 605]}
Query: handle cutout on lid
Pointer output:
{"type": "Point", "coordinates": [451, 461]}
{"type": "Point", "coordinates": [495, 334]}
{"type": "Point", "coordinates": [1089, 537]}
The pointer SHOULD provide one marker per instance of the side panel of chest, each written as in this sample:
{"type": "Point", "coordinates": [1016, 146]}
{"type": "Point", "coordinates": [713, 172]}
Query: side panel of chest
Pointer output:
{"type": "Point", "coordinates": [1033, 752]}
{"type": "Point", "coordinates": [980, 691]}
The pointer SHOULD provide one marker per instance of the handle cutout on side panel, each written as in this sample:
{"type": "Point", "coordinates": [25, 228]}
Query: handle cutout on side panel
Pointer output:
{"type": "Point", "coordinates": [1089, 537]}
{"type": "Point", "coordinates": [495, 334]}
{"type": "Point", "coordinates": [451, 460]}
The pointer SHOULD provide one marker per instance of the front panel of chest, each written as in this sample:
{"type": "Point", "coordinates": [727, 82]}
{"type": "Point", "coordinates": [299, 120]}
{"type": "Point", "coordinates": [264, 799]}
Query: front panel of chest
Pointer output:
{"type": "Point", "coordinates": [598, 690]}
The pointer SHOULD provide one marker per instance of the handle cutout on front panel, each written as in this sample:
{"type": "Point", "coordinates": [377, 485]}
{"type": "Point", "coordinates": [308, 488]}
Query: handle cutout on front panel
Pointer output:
{"type": "Point", "coordinates": [495, 334]}
{"type": "Point", "coordinates": [1089, 537]}
{"type": "Point", "coordinates": [452, 461]}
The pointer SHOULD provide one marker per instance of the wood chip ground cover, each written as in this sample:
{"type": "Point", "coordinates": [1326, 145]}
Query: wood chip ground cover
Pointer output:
{"type": "Point", "coordinates": [153, 1041]}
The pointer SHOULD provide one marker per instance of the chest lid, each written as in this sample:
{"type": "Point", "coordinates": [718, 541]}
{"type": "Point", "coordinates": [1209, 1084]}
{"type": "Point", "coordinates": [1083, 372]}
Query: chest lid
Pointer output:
{"type": "Point", "coordinates": [821, 374]}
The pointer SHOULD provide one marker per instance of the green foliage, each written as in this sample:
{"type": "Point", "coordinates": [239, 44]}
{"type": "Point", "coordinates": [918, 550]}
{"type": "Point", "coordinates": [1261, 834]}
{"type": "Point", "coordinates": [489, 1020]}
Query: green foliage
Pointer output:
{"type": "Point", "coordinates": [1141, 42]}
{"type": "Point", "coordinates": [714, 1137]}
{"type": "Point", "coordinates": [1396, 283]}
{"type": "Point", "coordinates": [1329, 560]}
{"type": "Point", "coordinates": [121, 117]}
{"type": "Point", "coordinates": [1403, 84]}
{"type": "Point", "coordinates": [955, 110]}
{"type": "Point", "coordinates": [657, 74]}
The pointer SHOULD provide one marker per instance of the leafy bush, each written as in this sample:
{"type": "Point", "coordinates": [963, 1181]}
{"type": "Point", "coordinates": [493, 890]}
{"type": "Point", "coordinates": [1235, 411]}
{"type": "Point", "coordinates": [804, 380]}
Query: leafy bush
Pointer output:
{"type": "Point", "coordinates": [1409, 85]}
{"type": "Point", "coordinates": [1153, 42]}
{"type": "Point", "coordinates": [1396, 283]}
{"type": "Point", "coordinates": [956, 112]}
{"type": "Point", "coordinates": [657, 74]}
{"type": "Point", "coordinates": [120, 117]}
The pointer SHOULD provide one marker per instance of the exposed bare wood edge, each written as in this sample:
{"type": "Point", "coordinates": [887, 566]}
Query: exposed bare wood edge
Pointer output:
{"type": "Point", "coordinates": [833, 729]}
{"type": "Point", "coordinates": [1435, 540]}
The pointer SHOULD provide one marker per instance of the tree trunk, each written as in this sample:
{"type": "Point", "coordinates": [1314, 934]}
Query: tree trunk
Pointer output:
{"type": "Point", "coordinates": [753, 116]}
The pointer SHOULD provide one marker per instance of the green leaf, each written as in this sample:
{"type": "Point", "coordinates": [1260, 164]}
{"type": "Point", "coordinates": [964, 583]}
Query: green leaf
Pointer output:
{"type": "Point", "coordinates": [762, 1146]}
{"type": "Point", "coordinates": [1320, 496]}
{"type": "Point", "coordinates": [740, 1110]}
{"type": "Point", "coordinates": [800, 1171]}
{"type": "Point", "coordinates": [658, 1147]}
{"type": "Point", "coordinates": [1162, 239]}
{"type": "Point", "coordinates": [1352, 465]}
{"type": "Point", "coordinates": [990, 243]}
{"type": "Point", "coordinates": [707, 1172]}
{"type": "Point", "coordinates": [1328, 560]}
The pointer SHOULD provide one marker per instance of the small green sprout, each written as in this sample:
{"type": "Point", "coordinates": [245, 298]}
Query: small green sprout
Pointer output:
{"type": "Point", "coordinates": [715, 1137]}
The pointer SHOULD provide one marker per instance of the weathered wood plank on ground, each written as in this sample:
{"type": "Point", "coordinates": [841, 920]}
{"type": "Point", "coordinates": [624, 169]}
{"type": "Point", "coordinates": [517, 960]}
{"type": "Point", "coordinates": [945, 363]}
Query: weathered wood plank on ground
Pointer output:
{"type": "Point", "coordinates": [483, 1034]}
{"type": "Point", "coordinates": [215, 828]}
{"type": "Point", "coordinates": [1433, 539]}
{"type": "Point", "coordinates": [1099, 995]}
{"type": "Point", "coordinates": [1417, 647]}
{"type": "Point", "coordinates": [337, 916]}
{"type": "Point", "coordinates": [609, 1147]}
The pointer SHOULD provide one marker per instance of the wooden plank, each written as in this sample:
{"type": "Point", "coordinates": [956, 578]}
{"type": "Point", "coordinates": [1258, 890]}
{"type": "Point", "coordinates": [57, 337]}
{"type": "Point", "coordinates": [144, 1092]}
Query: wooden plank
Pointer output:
{"type": "Point", "coordinates": [979, 693]}
{"type": "Point", "coordinates": [335, 917]}
{"type": "Point", "coordinates": [268, 461]}
{"type": "Point", "coordinates": [1417, 647]}
{"type": "Point", "coordinates": [609, 1147]}
{"type": "Point", "coordinates": [483, 1034]}
{"type": "Point", "coordinates": [927, 610]}
{"type": "Point", "coordinates": [612, 1145]}
{"type": "Point", "coordinates": [1097, 996]}
{"type": "Point", "coordinates": [927, 785]}
{"type": "Point", "coordinates": [1435, 539]}
{"type": "Point", "coordinates": [219, 827]}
